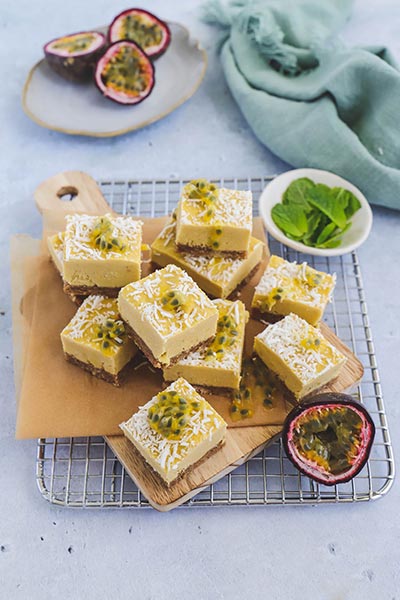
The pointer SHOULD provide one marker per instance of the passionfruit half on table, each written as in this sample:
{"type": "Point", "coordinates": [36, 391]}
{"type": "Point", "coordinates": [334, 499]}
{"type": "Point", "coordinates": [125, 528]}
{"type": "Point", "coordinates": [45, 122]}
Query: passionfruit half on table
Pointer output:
{"type": "Point", "coordinates": [125, 74]}
{"type": "Point", "coordinates": [143, 28]}
{"type": "Point", "coordinates": [74, 56]}
{"type": "Point", "coordinates": [329, 437]}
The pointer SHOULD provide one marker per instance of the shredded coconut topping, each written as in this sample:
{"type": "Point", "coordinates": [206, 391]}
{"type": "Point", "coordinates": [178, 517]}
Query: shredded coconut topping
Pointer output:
{"type": "Point", "coordinates": [146, 295]}
{"type": "Point", "coordinates": [202, 424]}
{"type": "Point", "coordinates": [78, 243]}
{"type": "Point", "coordinates": [232, 207]}
{"type": "Point", "coordinates": [288, 339]}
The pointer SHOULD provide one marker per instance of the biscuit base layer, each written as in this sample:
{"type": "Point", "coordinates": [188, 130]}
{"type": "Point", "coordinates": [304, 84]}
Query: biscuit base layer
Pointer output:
{"type": "Point", "coordinates": [116, 379]}
{"type": "Point", "coordinates": [183, 473]}
{"type": "Point", "coordinates": [206, 251]}
{"type": "Point", "coordinates": [234, 293]}
{"type": "Point", "coordinates": [85, 290]}
{"type": "Point", "coordinates": [269, 317]}
{"type": "Point", "coordinates": [149, 355]}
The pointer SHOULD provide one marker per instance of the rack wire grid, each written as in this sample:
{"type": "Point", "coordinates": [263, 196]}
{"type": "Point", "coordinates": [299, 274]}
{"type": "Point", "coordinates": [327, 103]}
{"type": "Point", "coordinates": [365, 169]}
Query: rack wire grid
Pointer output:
{"type": "Point", "coordinates": [83, 472]}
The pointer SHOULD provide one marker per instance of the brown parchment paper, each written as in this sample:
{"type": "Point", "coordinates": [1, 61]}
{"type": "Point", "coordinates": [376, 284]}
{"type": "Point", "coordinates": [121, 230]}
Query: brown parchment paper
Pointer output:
{"type": "Point", "coordinates": [23, 250]}
{"type": "Point", "coordinates": [58, 399]}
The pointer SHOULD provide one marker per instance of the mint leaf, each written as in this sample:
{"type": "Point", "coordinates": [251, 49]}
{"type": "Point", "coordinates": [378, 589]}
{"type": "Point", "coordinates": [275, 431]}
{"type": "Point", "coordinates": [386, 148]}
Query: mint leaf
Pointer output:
{"type": "Point", "coordinates": [321, 197]}
{"type": "Point", "coordinates": [331, 244]}
{"type": "Point", "coordinates": [313, 221]}
{"type": "Point", "coordinates": [297, 193]}
{"type": "Point", "coordinates": [326, 233]}
{"type": "Point", "coordinates": [352, 204]}
{"type": "Point", "coordinates": [290, 219]}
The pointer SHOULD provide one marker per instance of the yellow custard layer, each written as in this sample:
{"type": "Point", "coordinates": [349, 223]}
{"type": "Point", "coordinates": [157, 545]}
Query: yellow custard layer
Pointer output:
{"type": "Point", "coordinates": [96, 335]}
{"type": "Point", "coordinates": [202, 430]}
{"type": "Point", "coordinates": [217, 275]}
{"type": "Point", "coordinates": [55, 244]}
{"type": "Point", "coordinates": [299, 354]}
{"type": "Point", "coordinates": [169, 312]}
{"type": "Point", "coordinates": [287, 287]}
{"type": "Point", "coordinates": [103, 251]}
{"type": "Point", "coordinates": [218, 364]}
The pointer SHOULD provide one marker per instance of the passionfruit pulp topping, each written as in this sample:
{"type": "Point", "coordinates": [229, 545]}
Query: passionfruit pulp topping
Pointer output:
{"type": "Point", "coordinates": [103, 239]}
{"type": "Point", "coordinates": [74, 56]}
{"type": "Point", "coordinates": [329, 437]}
{"type": "Point", "coordinates": [174, 300]}
{"type": "Point", "coordinates": [125, 74]}
{"type": "Point", "coordinates": [203, 190]}
{"type": "Point", "coordinates": [143, 28]}
{"type": "Point", "coordinates": [225, 338]}
{"type": "Point", "coordinates": [170, 413]}
{"type": "Point", "coordinates": [110, 334]}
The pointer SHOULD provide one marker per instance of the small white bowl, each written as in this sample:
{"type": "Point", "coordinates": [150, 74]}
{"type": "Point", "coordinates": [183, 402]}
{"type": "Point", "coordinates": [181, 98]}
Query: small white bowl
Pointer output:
{"type": "Point", "coordinates": [354, 237]}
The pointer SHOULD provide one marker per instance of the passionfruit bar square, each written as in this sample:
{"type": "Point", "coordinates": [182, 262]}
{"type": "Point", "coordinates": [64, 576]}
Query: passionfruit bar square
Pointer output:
{"type": "Point", "coordinates": [299, 355]}
{"type": "Point", "coordinates": [167, 315]}
{"type": "Point", "coordinates": [214, 219]}
{"type": "Point", "coordinates": [95, 339]}
{"type": "Point", "coordinates": [175, 430]}
{"type": "Point", "coordinates": [288, 287]}
{"type": "Point", "coordinates": [217, 365]}
{"type": "Point", "coordinates": [101, 253]}
{"type": "Point", "coordinates": [218, 275]}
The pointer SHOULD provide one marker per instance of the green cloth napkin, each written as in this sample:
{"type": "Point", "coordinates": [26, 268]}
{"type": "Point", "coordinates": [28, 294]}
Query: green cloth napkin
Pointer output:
{"type": "Point", "coordinates": [312, 102]}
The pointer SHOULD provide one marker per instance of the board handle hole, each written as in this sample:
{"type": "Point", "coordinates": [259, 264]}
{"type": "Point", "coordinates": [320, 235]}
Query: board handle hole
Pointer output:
{"type": "Point", "coordinates": [67, 193]}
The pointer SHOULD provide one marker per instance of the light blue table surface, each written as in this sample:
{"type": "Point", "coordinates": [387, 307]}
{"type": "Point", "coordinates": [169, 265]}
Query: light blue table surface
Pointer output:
{"type": "Point", "coordinates": [326, 553]}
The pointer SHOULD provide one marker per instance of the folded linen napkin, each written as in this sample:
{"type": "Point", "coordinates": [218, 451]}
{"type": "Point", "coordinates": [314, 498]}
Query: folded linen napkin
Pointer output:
{"type": "Point", "coordinates": [313, 102]}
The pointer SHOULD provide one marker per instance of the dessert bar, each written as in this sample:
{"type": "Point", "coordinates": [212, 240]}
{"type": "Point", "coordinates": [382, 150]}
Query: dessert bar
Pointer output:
{"type": "Point", "coordinates": [167, 315]}
{"type": "Point", "coordinates": [175, 430]}
{"type": "Point", "coordinates": [95, 339]}
{"type": "Point", "coordinates": [298, 354]}
{"type": "Point", "coordinates": [288, 287]}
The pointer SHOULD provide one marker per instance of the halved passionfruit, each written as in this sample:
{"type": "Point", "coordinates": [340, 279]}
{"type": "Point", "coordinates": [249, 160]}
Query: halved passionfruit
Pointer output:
{"type": "Point", "coordinates": [143, 28]}
{"type": "Point", "coordinates": [125, 74]}
{"type": "Point", "coordinates": [74, 56]}
{"type": "Point", "coordinates": [329, 437]}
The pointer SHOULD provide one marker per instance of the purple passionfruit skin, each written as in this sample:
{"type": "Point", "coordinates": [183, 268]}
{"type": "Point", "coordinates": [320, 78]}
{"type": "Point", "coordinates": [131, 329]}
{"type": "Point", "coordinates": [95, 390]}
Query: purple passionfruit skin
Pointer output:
{"type": "Point", "coordinates": [125, 74]}
{"type": "Point", "coordinates": [143, 28]}
{"type": "Point", "coordinates": [74, 56]}
{"type": "Point", "coordinates": [314, 408]}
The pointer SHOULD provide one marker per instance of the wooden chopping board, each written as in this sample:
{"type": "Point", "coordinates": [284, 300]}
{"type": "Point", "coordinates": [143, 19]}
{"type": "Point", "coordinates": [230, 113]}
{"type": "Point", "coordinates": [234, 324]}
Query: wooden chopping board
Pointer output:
{"type": "Point", "coordinates": [242, 442]}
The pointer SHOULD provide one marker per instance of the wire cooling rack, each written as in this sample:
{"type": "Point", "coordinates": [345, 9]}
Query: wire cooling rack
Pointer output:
{"type": "Point", "coordinates": [83, 472]}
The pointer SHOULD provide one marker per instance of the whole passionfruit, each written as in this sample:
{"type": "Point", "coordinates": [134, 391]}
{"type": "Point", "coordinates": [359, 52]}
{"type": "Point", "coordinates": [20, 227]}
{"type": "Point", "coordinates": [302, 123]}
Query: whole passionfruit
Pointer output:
{"type": "Point", "coordinates": [329, 437]}
{"type": "Point", "coordinates": [74, 56]}
{"type": "Point", "coordinates": [143, 28]}
{"type": "Point", "coordinates": [124, 73]}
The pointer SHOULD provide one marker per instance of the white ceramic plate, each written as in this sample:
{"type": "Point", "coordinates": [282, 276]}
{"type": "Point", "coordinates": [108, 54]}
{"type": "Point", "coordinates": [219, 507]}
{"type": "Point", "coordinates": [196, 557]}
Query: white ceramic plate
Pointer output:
{"type": "Point", "coordinates": [80, 109]}
{"type": "Point", "coordinates": [354, 237]}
